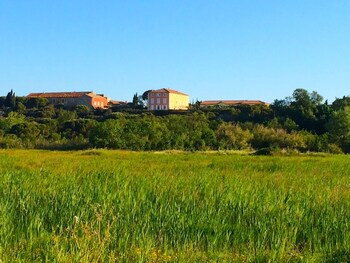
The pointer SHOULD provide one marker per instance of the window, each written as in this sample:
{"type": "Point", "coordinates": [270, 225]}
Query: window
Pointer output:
{"type": "Point", "coordinates": [158, 94]}
{"type": "Point", "coordinates": [164, 107]}
{"type": "Point", "coordinates": [158, 100]}
{"type": "Point", "coordinates": [158, 107]}
{"type": "Point", "coordinates": [152, 100]}
{"type": "Point", "coordinates": [164, 94]}
{"type": "Point", "coordinates": [164, 100]}
{"type": "Point", "coordinates": [152, 107]}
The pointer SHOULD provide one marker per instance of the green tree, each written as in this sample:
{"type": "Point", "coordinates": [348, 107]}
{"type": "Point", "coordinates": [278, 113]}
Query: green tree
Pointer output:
{"type": "Point", "coordinates": [20, 108]}
{"type": "Point", "coordinates": [196, 105]}
{"type": "Point", "coordinates": [135, 101]}
{"type": "Point", "coordinates": [144, 97]}
{"type": "Point", "coordinates": [10, 100]}
{"type": "Point", "coordinates": [65, 115]}
{"type": "Point", "coordinates": [108, 134]}
{"type": "Point", "coordinates": [48, 111]}
{"type": "Point", "coordinates": [2, 102]}
{"type": "Point", "coordinates": [232, 136]}
{"type": "Point", "coordinates": [339, 128]}
{"type": "Point", "coordinates": [265, 137]}
{"type": "Point", "coordinates": [26, 130]}
{"type": "Point", "coordinates": [145, 94]}
{"type": "Point", "coordinates": [306, 109]}
{"type": "Point", "coordinates": [36, 103]}
{"type": "Point", "coordinates": [82, 111]}
{"type": "Point", "coordinates": [79, 127]}
{"type": "Point", "coordinates": [340, 104]}
{"type": "Point", "coordinates": [304, 104]}
{"type": "Point", "coordinates": [14, 118]}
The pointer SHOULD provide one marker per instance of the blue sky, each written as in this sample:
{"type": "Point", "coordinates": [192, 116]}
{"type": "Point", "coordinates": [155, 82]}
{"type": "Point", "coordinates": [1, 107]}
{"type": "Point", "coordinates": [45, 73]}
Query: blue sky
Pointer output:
{"type": "Point", "coordinates": [258, 49]}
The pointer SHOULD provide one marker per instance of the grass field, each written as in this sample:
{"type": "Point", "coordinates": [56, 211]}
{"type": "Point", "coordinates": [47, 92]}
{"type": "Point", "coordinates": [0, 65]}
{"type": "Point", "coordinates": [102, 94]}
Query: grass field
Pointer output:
{"type": "Point", "coordinates": [116, 206]}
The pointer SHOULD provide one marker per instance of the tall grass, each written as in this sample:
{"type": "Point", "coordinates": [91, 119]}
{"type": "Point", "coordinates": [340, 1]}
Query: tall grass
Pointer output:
{"type": "Point", "coordinates": [106, 206]}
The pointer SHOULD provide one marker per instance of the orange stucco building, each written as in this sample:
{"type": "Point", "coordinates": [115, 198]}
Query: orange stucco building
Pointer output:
{"type": "Point", "coordinates": [167, 99]}
{"type": "Point", "coordinates": [225, 103]}
{"type": "Point", "coordinates": [72, 99]}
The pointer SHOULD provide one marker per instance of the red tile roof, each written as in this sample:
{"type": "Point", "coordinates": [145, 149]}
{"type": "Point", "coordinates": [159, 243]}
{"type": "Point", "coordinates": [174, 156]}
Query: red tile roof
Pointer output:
{"type": "Point", "coordinates": [169, 91]}
{"type": "Point", "coordinates": [232, 102]}
{"type": "Point", "coordinates": [93, 95]}
{"type": "Point", "coordinates": [59, 94]}
{"type": "Point", "coordinates": [117, 102]}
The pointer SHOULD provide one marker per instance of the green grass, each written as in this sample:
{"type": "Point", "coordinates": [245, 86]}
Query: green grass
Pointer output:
{"type": "Point", "coordinates": [117, 206]}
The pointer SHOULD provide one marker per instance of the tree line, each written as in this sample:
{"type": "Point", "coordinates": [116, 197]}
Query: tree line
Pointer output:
{"type": "Point", "coordinates": [302, 122]}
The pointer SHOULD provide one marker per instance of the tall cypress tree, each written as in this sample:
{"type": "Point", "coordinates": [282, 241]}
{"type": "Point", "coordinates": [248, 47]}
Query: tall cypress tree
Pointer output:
{"type": "Point", "coordinates": [10, 100]}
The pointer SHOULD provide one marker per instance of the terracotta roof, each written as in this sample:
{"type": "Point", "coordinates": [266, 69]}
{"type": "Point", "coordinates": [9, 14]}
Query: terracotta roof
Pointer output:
{"type": "Point", "coordinates": [117, 102]}
{"type": "Point", "coordinates": [232, 102]}
{"type": "Point", "coordinates": [169, 91]}
{"type": "Point", "coordinates": [59, 94]}
{"type": "Point", "coordinates": [93, 95]}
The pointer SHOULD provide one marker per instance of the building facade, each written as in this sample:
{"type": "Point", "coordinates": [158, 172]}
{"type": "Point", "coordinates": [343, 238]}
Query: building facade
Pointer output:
{"type": "Point", "coordinates": [167, 99]}
{"type": "Point", "coordinates": [72, 99]}
{"type": "Point", "coordinates": [230, 103]}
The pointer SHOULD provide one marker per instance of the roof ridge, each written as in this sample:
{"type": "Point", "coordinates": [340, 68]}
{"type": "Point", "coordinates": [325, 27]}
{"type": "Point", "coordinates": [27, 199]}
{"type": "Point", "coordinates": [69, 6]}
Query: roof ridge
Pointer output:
{"type": "Point", "coordinates": [60, 94]}
{"type": "Point", "coordinates": [170, 91]}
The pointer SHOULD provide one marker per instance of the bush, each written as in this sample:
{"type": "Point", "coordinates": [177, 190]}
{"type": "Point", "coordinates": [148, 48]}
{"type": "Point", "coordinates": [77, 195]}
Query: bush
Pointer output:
{"type": "Point", "coordinates": [232, 136]}
{"type": "Point", "coordinates": [10, 141]}
{"type": "Point", "coordinates": [268, 137]}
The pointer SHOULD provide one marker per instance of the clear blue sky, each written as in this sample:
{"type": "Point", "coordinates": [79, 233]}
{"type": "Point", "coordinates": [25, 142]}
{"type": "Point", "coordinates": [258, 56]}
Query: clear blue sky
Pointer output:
{"type": "Point", "coordinates": [234, 49]}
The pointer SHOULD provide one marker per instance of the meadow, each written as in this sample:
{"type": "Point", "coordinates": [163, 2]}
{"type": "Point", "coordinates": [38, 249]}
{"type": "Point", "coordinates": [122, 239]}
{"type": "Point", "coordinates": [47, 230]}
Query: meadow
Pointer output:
{"type": "Point", "coordinates": [120, 206]}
